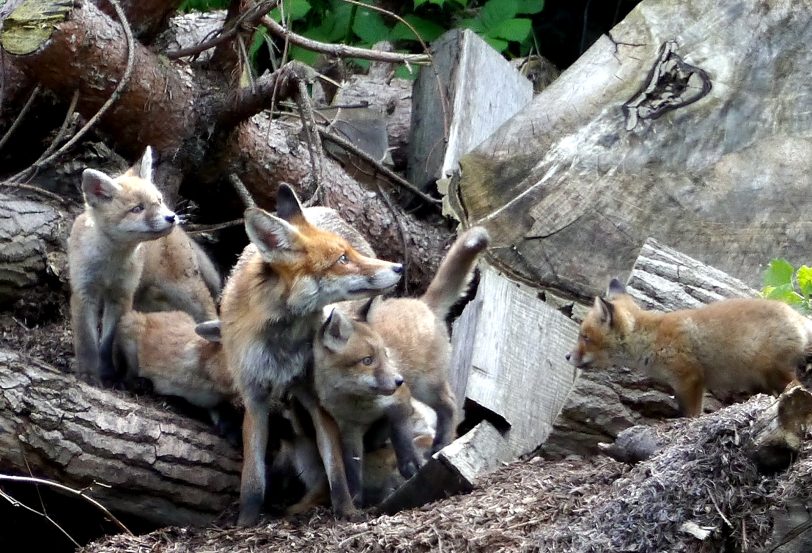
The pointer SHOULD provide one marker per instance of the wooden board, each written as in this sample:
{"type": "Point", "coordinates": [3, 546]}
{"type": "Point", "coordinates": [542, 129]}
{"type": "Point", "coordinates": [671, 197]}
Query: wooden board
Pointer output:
{"type": "Point", "coordinates": [468, 67]}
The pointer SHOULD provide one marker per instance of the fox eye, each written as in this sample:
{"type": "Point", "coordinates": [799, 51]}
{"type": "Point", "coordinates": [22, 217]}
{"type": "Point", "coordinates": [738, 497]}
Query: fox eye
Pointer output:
{"type": "Point", "coordinates": [368, 360]}
{"type": "Point", "coordinates": [343, 260]}
{"type": "Point", "coordinates": [585, 338]}
{"type": "Point", "coordinates": [137, 209]}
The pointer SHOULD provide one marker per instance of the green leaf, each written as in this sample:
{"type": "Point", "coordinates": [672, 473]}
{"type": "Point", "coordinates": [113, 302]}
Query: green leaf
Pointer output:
{"type": "Point", "coordinates": [258, 41]}
{"type": "Point", "coordinates": [784, 293]}
{"type": "Point", "coordinates": [463, 3]}
{"type": "Point", "coordinates": [778, 273]}
{"type": "Point", "coordinates": [530, 6]}
{"type": "Point", "coordinates": [494, 12]}
{"type": "Point", "coordinates": [804, 278]}
{"type": "Point", "coordinates": [473, 24]}
{"type": "Point", "coordinates": [294, 9]}
{"type": "Point", "coordinates": [303, 55]}
{"type": "Point", "coordinates": [428, 30]}
{"type": "Point", "coordinates": [369, 26]}
{"type": "Point", "coordinates": [418, 3]}
{"type": "Point", "coordinates": [515, 30]}
{"type": "Point", "coordinates": [407, 72]}
{"type": "Point", "coordinates": [496, 43]}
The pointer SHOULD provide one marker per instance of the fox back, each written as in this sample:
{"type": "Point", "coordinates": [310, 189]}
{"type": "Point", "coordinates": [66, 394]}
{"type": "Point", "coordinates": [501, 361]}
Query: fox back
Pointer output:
{"type": "Point", "coordinates": [734, 345]}
{"type": "Point", "coordinates": [167, 349]}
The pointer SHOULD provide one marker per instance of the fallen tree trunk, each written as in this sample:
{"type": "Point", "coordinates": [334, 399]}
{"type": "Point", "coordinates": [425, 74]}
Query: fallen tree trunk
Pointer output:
{"type": "Point", "coordinates": [203, 128]}
{"type": "Point", "coordinates": [131, 457]}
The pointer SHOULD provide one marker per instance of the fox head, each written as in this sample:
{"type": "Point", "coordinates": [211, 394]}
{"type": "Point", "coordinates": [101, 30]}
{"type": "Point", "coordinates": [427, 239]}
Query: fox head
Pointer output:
{"type": "Point", "coordinates": [318, 267]}
{"type": "Point", "coordinates": [602, 337]}
{"type": "Point", "coordinates": [128, 208]}
{"type": "Point", "coordinates": [354, 357]}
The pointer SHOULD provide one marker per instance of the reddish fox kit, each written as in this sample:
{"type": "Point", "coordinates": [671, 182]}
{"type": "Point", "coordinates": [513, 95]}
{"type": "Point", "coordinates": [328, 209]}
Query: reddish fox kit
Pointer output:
{"type": "Point", "coordinates": [733, 345]}
{"type": "Point", "coordinates": [125, 237]}
{"type": "Point", "coordinates": [270, 310]}
{"type": "Point", "coordinates": [360, 365]}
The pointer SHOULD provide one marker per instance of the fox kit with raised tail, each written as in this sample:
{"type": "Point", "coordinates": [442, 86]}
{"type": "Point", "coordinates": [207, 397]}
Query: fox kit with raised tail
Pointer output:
{"type": "Point", "coordinates": [270, 310]}
{"type": "Point", "coordinates": [735, 345]}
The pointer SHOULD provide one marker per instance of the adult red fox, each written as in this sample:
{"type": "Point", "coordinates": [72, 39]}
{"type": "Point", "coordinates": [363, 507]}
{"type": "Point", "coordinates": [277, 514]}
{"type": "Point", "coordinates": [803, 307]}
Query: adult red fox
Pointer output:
{"type": "Point", "coordinates": [733, 345]}
{"type": "Point", "coordinates": [271, 308]}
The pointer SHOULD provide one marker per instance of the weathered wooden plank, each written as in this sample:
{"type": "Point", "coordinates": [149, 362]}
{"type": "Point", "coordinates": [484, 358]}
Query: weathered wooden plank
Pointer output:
{"type": "Point", "coordinates": [468, 69]}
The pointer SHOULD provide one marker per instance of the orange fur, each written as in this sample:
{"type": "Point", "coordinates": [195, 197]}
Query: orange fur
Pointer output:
{"type": "Point", "coordinates": [734, 345]}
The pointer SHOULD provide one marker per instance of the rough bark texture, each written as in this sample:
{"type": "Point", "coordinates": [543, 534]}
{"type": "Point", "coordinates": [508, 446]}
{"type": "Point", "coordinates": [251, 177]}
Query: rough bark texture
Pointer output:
{"type": "Point", "coordinates": [179, 111]}
{"type": "Point", "coordinates": [151, 463]}
{"type": "Point", "coordinates": [32, 244]}
{"type": "Point", "coordinates": [605, 402]}
{"type": "Point", "coordinates": [702, 143]}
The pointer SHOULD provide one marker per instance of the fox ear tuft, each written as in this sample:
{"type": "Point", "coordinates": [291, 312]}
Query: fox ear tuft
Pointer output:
{"type": "Point", "coordinates": [145, 165]}
{"type": "Point", "coordinates": [336, 331]}
{"type": "Point", "coordinates": [605, 309]}
{"type": "Point", "coordinates": [210, 330]}
{"type": "Point", "coordinates": [287, 204]}
{"type": "Point", "coordinates": [274, 237]}
{"type": "Point", "coordinates": [98, 187]}
{"type": "Point", "coordinates": [616, 288]}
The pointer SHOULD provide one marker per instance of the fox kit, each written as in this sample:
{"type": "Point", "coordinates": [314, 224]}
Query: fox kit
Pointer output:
{"type": "Point", "coordinates": [415, 331]}
{"type": "Point", "coordinates": [733, 345]}
{"type": "Point", "coordinates": [270, 310]}
{"type": "Point", "coordinates": [177, 355]}
{"type": "Point", "coordinates": [357, 383]}
{"type": "Point", "coordinates": [104, 258]}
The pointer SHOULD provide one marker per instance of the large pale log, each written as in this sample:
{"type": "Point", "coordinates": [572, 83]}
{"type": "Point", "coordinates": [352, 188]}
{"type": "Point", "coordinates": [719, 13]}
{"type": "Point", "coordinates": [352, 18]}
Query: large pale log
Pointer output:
{"type": "Point", "coordinates": [131, 457]}
{"type": "Point", "coordinates": [685, 123]}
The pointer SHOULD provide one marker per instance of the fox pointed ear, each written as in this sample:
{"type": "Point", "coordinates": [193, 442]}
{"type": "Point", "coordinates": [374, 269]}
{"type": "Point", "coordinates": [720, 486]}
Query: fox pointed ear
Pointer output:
{"type": "Point", "coordinates": [336, 331]}
{"type": "Point", "coordinates": [287, 204]}
{"type": "Point", "coordinates": [98, 187]}
{"type": "Point", "coordinates": [145, 165]}
{"type": "Point", "coordinates": [274, 237]}
{"type": "Point", "coordinates": [615, 288]}
{"type": "Point", "coordinates": [605, 309]}
{"type": "Point", "coordinates": [210, 330]}
{"type": "Point", "coordinates": [367, 308]}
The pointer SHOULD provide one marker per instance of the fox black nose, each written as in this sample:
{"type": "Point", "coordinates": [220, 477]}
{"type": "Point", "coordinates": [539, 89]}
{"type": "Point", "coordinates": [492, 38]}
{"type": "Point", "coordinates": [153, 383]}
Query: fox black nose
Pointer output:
{"type": "Point", "coordinates": [568, 356]}
{"type": "Point", "coordinates": [170, 218]}
{"type": "Point", "coordinates": [398, 381]}
{"type": "Point", "coordinates": [398, 268]}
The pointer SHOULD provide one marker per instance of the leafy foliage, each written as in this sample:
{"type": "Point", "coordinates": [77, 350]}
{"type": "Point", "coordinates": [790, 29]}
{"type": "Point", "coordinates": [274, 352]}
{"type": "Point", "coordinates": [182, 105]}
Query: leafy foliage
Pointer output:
{"type": "Point", "coordinates": [785, 283]}
{"type": "Point", "coordinates": [505, 24]}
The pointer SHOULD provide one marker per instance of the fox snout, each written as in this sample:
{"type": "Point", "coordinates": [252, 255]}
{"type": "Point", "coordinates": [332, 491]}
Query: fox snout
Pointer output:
{"type": "Point", "coordinates": [385, 277]}
{"type": "Point", "coordinates": [388, 384]}
{"type": "Point", "coordinates": [579, 360]}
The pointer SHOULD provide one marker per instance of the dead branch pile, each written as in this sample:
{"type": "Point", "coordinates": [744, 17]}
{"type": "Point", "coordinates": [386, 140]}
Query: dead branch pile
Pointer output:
{"type": "Point", "coordinates": [703, 478]}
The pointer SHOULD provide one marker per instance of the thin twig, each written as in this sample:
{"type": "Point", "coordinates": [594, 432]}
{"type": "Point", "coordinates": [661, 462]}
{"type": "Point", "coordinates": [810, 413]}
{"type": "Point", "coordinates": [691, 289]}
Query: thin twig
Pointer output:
{"type": "Point", "coordinates": [61, 133]}
{"type": "Point", "coordinates": [402, 230]}
{"type": "Point", "coordinates": [200, 229]}
{"type": "Point", "coordinates": [247, 19]}
{"type": "Point", "coordinates": [342, 50]}
{"type": "Point", "coordinates": [242, 191]}
{"type": "Point", "coordinates": [313, 140]}
{"type": "Point", "coordinates": [37, 190]}
{"type": "Point", "coordinates": [62, 487]}
{"type": "Point", "coordinates": [17, 503]}
{"type": "Point", "coordinates": [352, 148]}
{"type": "Point", "coordinates": [125, 79]}
{"type": "Point", "coordinates": [20, 116]}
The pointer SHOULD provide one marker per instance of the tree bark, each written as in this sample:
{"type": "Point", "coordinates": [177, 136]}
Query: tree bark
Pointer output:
{"type": "Point", "coordinates": [133, 458]}
{"type": "Point", "coordinates": [202, 130]}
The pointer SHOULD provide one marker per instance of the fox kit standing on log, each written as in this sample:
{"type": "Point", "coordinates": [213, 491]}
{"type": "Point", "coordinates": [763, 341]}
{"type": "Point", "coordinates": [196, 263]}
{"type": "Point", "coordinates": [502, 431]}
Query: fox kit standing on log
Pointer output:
{"type": "Point", "coordinates": [104, 260]}
{"type": "Point", "coordinates": [360, 366]}
{"type": "Point", "coordinates": [750, 345]}
{"type": "Point", "coordinates": [270, 310]}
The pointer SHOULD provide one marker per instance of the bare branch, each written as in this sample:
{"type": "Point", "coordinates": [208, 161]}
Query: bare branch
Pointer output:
{"type": "Point", "coordinates": [20, 116]}
{"type": "Point", "coordinates": [342, 50]}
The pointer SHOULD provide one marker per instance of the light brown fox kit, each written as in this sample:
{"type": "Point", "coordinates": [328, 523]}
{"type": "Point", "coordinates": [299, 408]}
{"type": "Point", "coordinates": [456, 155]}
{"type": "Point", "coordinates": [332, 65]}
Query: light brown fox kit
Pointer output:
{"type": "Point", "coordinates": [270, 310]}
{"type": "Point", "coordinates": [126, 245]}
{"type": "Point", "coordinates": [177, 355]}
{"type": "Point", "coordinates": [733, 345]}
{"type": "Point", "coordinates": [360, 365]}
{"type": "Point", "coordinates": [104, 260]}
{"type": "Point", "coordinates": [415, 332]}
